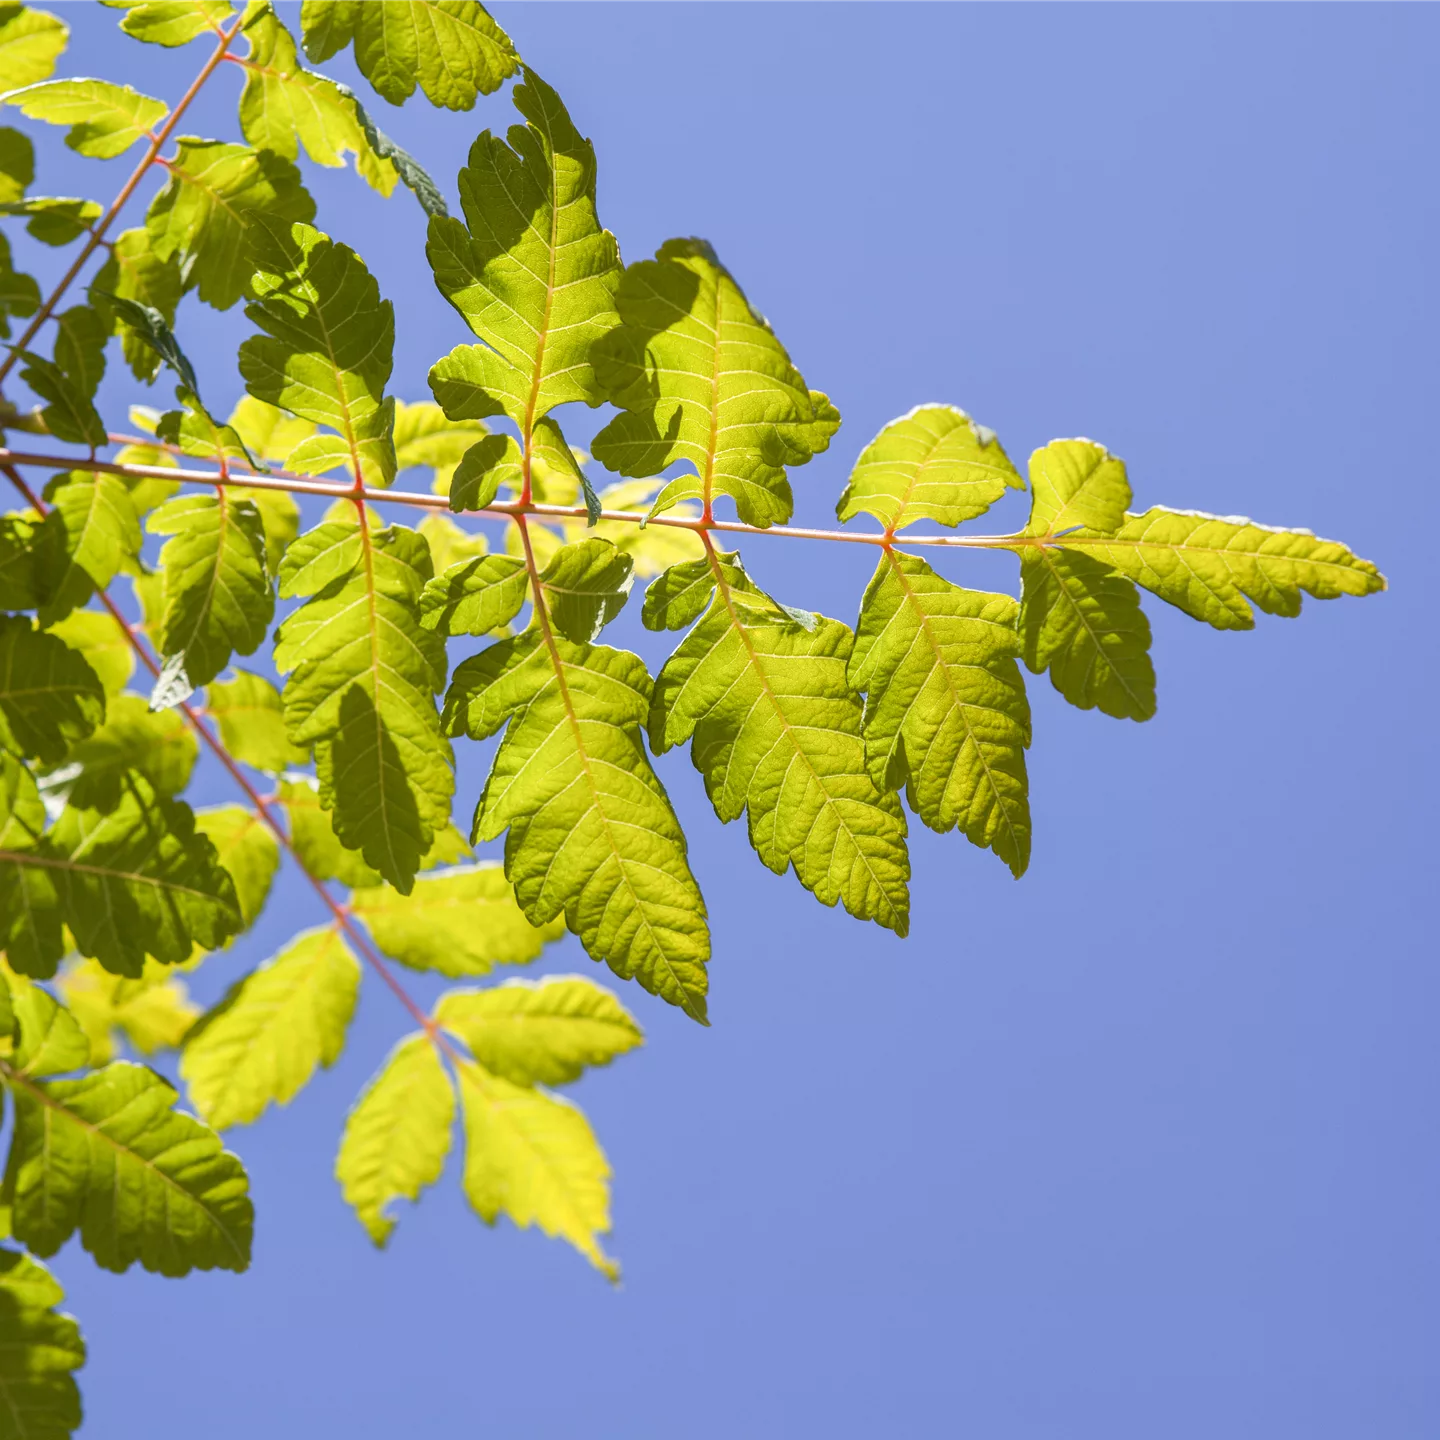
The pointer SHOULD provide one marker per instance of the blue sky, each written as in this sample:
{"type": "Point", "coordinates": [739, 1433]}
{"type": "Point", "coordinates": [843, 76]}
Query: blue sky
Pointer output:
{"type": "Point", "coordinates": [1141, 1145]}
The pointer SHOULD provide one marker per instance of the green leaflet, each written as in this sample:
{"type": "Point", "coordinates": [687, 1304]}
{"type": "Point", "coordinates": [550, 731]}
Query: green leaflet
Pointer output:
{"type": "Point", "coordinates": [475, 596]}
{"type": "Point", "coordinates": [531, 271]}
{"type": "Point", "coordinates": [17, 165]}
{"type": "Point", "coordinates": [363, 687]}
{"type": "Point", "coordinates": [586, 585]}
{"type": "Point", "coordinates": [215, 195]}
{"type": "Point", "coordinates": [703, 379]}
{"type": "Point", "coordinates": [103, 643]}
{"type": "Point", "coordinates": [1076, 482]}
{"type": "Point", "coordinates": [218, 598]}
{"type": "Point", "coordinates": [31, 41]}
{"type": "Point", "coordinates": [456, 922]}
{"type": "Point", "coordinates": [68, 413]}
{"type": "Point", "coordinates": [80, 336]}
{"type": "Point", "coordinates": [55, 219]}
{"type": "Point", "coordinates": [284, 106]}
{"type": "Point", "coordinates": [326, 351]}
{"type": "Point", "coordinates": [30, 925]}
{"type": "Point", "coordinates": [18, 582]}
{"type": "Point", "coordinates": [248, 850]}
{"type": "Point", "coordinates": [542, 1032]}
{"type": "Point", "coordinates": [249, 713]}
{"type": "Point", "coordinates": [397, 1136]}
{"type": "Point", "coordinates": [89, 536]}
{"type": "Point", "coordinates": [150, 328]}
{"type": "Point", "coordinates": [194, 431]}
{"type": "Point", "coordinates": [1078, 619]}
{"type": "Point", "coordinates": [452, 47]}
{"type": "Point", "coordinates": [591, 831]}
{"type": "Point", "coordinates": [262, 1042]}
{"type": "Point", "coordinates": [449, 544]}
{"type": "Point", "coordinates": [652, 549]}
{"type": "Point", "coordinates": [50, 698]}
{"type": "Point", "coordinates": [267, 430]}
{"type": "Point", "coordinates": [135, 272]}
{"type": "Point", "coordinates": [1083, 623]}
{"type": "Point", "coordinates": [533, 1157]}
{"type": "Point", "coordinates": [40, 1350]}
{"type": "Point", "coordinates": [777, 732]}
{"type": "Point", "coordinates": [105, 120]}
{"type": "Point", "coordinates": [946, 715]}
{"type": "Point", "coordinates": [1209, 565]}
{"type": "Point", "coordinates": [49, 1039]}
{"type": "Point", "coordinates": [152, 1012]}
{"type": "Point", "coordinates": [170, 22]}
{"type": "Point", "coordinates": [131, 880]}
{"type": "Point", "coordinates": [161, 746]}
{"type": "Point", "coordinates": [106, 1155]}
{"type": "Point", "coordinates": [935, 463]}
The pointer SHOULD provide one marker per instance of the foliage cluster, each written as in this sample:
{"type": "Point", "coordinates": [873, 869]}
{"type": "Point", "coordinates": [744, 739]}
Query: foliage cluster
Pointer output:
{"type": "Point", "coordinates": [824, 737]}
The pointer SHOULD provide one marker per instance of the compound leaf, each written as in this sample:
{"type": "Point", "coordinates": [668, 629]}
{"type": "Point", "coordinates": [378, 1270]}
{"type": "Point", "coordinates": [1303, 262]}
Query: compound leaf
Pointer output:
{"type": "Point", "coordinates": [326, 351]}
{"type": "Point", "coordinates": [40, 1350]}
{"type": "Point", "coordinates": [397, 1136]}
{"type": "Point", "coordinates": [457, 922]}
{"type": "Point", "coordinates": [363, 687]}
{"type": "Point", "coordinates": [946, 717]}
{"type": "Point", "coordinates": [777, 732]}
{"type": "Point", "coordinates": [531, 271]}
{"type": "Point", "coordinates": [451, 47]}
{"type": "Point", "coordinates": [105, 120]}
{"type": "Point", "coordinates": [533, 1157]}
{"type": "Point", "coordinates": [543, 1032]}
{"type": "Point", "coordinates": [475, 596]}
{"type": "Point", "coordinates": [107, 1155]}
{"type": "Point", "coordinates": [702, 379]}
{"type": "Point", "coordinates": [215, 194]}
{"type": "Point", "coordinates": [90, 534]}
{"type": "Point", "coordinates": [591, 830]}
{"type": "Point", "coordinates": [262, 1042]}
{"type": "Point", "coordinates": [218, 597]}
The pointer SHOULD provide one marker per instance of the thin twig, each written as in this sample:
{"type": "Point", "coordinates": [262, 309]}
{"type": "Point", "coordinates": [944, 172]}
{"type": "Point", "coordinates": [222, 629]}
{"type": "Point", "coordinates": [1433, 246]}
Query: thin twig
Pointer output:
{"type": "Point", "coordinates": [309, 485]}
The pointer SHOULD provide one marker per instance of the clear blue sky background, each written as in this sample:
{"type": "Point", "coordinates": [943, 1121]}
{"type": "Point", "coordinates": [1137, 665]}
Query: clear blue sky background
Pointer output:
{"type": "Point", "coordinates": [1143, 1145]}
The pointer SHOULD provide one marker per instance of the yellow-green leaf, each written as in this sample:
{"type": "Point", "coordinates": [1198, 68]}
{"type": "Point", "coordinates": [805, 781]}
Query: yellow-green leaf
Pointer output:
{"type": "Point", "coordinates": [105, 120]}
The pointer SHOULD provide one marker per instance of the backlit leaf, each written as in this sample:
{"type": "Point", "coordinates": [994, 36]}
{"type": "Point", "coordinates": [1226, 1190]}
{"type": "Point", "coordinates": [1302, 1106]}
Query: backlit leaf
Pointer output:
{"type": "Point", "coordinates": [55, 219]}
{"type": "Point", "coordinates": [530, 270]}
{"type": "Point", "coordinates": [152, 1012]}
{"type": "Point", "coordinates": [591, 831]}
{"type": "Point", "coordinates": [161, 746]}
{"type": "Point", "coordinates": [326, 351]}
{"type": "Point", "coordinates": [134, 271]}
{"type": "Point", "coordinates": [218, 596]}
{"type": "Point", "coordinates": [107, 1155]}
{"type": "Point", "coordinates": [475, 596]}
{"type": "Point", "coordinates": [263, 1041]}
{"type": "Point", "coordinates": [50, 698]}
{"type": "Point", "coordinates": [362, 692]}
{"type": "Point", "coordinates": [397, 1136]}
{"type": "Point", "coordinates": [170, 22]}
{"type": "Point", "coordinates": [702, 379]}
{"type": "Point", "coordinates": [451, 47]}
{"type": "Point", "coordinates": [249, 852]}
{"type": "Point", "coordinates": [456, 922]}
{"type": "Point", "coordinates": [533, 1157]}
{"type": "Point", "coordinates": [946, 717]}
{"type": "Point", "coordinates": [40, 1350]}
{"type": "Point", "coordinates": [68, 413]}
{"type": "Point", "coordinates": [105, 120]}
{"type": "Point", "coordinates": [214, 195]}
{"type": "Point", "coordinates": [935, 463]}
{"type": "Point", "coordinates": [103, 643]}
{"type": "Point", "coordinates": [252, 723]}
{"type": "Point", "coordinates": [776, 731]}
{"type": "Point", "coordinates": [542, 1032]}
{"type": "Point", "coordinates": [31, 41]}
